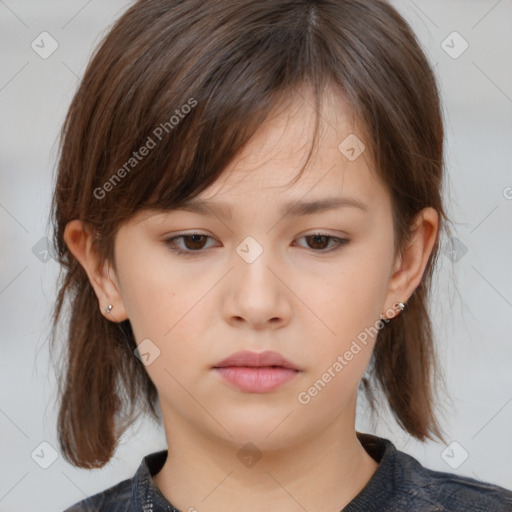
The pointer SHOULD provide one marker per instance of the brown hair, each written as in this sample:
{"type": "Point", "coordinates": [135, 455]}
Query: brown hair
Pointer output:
{"type": "Point", "coordinates": [198, 78]}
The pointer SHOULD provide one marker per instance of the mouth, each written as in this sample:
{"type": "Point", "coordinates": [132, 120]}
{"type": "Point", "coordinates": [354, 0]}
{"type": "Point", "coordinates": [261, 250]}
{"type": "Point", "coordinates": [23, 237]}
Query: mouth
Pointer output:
{"type": "Point", "coordinates": [249, 359]}
{"type": "Point", "coordinates": [254, 372]}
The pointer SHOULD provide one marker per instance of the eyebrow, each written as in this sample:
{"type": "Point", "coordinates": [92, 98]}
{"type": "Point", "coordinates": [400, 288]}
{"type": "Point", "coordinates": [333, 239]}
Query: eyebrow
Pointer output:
{"type": "Point", "coordinates": [295, 208]}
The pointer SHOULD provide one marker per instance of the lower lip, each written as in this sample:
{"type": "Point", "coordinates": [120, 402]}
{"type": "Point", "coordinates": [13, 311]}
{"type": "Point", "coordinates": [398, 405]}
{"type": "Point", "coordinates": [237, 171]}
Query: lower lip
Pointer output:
{"type": "Point", "coordinates": [257, 379]}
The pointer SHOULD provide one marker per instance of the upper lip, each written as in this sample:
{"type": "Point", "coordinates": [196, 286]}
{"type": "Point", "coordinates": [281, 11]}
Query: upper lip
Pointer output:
{"type": "Point", "coordinates": [256, 359]}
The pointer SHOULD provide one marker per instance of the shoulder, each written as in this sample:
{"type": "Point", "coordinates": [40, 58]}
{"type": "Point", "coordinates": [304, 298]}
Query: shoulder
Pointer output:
{"type": "Point", "coordinates": [449, 492]}
{"type": "Point", "coordinates": [114, 499]}
{"type": "Point", "coordinates": [402, 484]}
{"type": "Point", "coordinates": [136, 493]}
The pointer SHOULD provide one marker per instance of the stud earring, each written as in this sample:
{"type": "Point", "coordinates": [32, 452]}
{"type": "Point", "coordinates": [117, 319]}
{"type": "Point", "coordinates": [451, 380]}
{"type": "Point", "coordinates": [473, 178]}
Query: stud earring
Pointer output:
{"type": "Point", "coordinates": [399, 305]}
{"type": "Point", "coordinates": [109, 309]}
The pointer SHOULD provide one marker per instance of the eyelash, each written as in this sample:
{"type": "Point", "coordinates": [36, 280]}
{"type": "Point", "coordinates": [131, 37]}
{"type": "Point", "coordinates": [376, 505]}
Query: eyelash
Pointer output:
{"type": "Point", "coordinates": [170, 242]}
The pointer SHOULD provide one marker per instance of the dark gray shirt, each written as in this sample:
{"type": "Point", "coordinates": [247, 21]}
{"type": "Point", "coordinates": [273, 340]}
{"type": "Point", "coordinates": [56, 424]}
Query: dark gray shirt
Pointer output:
{"type": "Point", "coordinates": [400, 484]}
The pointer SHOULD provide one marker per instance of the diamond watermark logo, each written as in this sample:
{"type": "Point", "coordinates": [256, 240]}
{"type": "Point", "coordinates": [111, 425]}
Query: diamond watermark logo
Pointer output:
{"type": "Point", "coordinates": [454, 250]}
{"type": "Point", "coordinates": [44, 45]}
{"type": "Point", "coordinates": [454, 45]}
{"type": "Point", "coordinates": [454, 455]}
{"type": "Point", "coordinates": [44, 455]}
{"type": "Point", "coordinates": [352, 147]}
{"type": "Point", "coordinates": [147, 352]}
{"type": "Point", "coordinates": [249, 249]}
{"type": "Point", "coordinates": [249, 455]}
{"type": "Point", "coordinates": [43, 250]}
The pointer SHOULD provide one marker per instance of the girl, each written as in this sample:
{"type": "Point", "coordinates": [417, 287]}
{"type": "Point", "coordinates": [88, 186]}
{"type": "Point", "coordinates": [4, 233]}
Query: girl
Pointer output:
{"type": "Point", "coordinates": [247, 211]}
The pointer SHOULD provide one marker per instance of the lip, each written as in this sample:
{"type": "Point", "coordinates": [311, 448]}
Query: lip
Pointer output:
{"type": "Point", "coordinates": [254, 372]}
{"type": "Point", "coordinates": [256, 359]}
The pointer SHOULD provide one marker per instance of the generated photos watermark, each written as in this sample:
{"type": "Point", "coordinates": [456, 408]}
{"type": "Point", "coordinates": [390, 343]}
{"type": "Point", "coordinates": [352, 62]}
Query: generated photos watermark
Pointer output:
{"type": "Point", "coordinates": [305, 397]}
{"type": "Point", "coordinates": [151, 142]}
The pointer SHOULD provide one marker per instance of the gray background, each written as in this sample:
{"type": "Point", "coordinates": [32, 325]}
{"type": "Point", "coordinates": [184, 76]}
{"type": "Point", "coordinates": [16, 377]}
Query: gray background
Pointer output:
{"type": "Point", "coordinates": [473, 301]}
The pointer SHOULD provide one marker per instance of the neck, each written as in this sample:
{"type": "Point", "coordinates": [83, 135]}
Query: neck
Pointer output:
{"type": "Point", "coordinates": [323, 473]}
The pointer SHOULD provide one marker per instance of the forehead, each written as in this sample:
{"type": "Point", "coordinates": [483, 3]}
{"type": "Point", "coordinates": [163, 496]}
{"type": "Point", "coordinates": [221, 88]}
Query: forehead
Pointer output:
{"type": "Point", "coordinates": [262, 172]}
{"type": "Point", "coordinates": [267, 164]}
{"type": "Point", "coordinates": [287, 133]}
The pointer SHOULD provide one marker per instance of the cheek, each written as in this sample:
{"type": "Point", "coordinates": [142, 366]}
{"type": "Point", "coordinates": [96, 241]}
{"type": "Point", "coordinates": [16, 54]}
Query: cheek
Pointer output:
{"type": "Point", "coordinates": [351, 299]}
{"type": "Point", "coordinates": [347, 307]}
{"type": "Point", "coordinates": [155, 293]}
{"type": "Point", "coordinates": [169, 308]}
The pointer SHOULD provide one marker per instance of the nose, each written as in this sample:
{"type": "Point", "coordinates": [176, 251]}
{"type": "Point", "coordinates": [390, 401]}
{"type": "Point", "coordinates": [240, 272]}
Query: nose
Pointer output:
{"type": "Point", "coordinates": [258, 294]}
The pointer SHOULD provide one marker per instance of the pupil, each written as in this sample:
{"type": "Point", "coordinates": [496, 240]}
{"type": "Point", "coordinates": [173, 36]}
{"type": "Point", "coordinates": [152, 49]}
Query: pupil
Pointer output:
{"type": "Point", "coordinates": [316, 239]}
{"type": "Point", "coordinates": [194, 240]}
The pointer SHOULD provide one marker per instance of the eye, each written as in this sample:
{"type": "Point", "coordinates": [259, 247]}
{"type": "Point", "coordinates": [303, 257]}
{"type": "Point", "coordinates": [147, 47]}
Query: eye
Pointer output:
{"type": "Point", "coordinates": [319, 241]}
{"type": "Point", "coordinates": [194, 242]}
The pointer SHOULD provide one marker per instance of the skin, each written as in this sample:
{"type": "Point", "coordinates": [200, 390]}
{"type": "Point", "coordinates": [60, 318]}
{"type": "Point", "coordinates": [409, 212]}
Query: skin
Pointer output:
{"type": "Point", "coordinates": [295, 298]}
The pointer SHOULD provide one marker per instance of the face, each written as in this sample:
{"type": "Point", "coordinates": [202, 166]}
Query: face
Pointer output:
{"type": "Point", "coordinates": [252, 273]}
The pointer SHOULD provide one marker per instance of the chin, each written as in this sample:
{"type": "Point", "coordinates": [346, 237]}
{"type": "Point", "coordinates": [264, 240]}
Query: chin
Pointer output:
{"type": "Point", "coordinates": [269, 433]}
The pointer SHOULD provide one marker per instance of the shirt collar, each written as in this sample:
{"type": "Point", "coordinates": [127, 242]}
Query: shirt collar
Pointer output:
{"type": "Point", "coordinates": [381, 487]}
{"type": "Point", "coordinates": [145, 495]}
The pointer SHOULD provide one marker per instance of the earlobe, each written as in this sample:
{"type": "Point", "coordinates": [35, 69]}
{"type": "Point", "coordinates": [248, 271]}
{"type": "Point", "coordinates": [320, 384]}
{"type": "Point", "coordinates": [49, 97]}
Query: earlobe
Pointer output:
{"type": "Point", "coordinates": [79, 237]}
{"type": "Point", "coordinates": [413, 260]}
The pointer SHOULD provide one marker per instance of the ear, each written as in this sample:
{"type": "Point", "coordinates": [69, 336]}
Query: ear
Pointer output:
{"type": "Point", "coordinates": [79, 237]}
{"type": "Point", "coordinates": [410, 265]}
